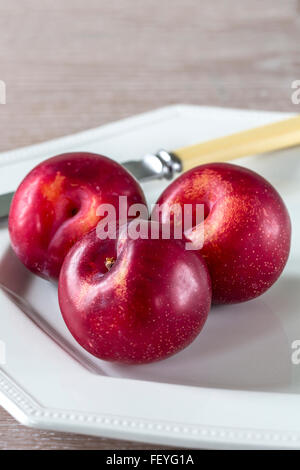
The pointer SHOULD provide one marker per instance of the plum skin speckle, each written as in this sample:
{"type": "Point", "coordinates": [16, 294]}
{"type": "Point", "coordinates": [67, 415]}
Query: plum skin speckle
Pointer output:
{"type": "Point", "coordinates": [247, 232]}
{"type": "Point", "coordinates": [140, 310]}
{"type": "Point", "coordinates": [56, 203]}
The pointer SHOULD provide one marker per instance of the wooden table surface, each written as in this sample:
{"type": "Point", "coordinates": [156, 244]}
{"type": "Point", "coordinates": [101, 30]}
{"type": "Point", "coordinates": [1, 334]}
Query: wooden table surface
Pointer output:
{"type": "Point", "coordinates": [74, 64]}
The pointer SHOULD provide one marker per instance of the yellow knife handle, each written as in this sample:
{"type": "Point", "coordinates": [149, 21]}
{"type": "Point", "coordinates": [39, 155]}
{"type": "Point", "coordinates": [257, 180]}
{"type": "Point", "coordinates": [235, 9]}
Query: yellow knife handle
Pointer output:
{"type": "Point", "coordinates": [259, 140]}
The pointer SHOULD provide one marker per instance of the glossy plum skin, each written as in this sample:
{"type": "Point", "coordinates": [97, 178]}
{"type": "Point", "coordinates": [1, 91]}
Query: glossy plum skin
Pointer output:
{"type": "Point", "coordinates": [56, 204]}
{"type": "Point", "coordinates": [152, 303]}
{"type": "Point", "coordinates": [247, 229]}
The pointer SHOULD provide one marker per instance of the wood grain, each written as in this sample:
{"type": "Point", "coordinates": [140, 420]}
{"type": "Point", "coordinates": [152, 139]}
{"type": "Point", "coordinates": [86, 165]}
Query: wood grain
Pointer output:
{"type": "Point", "coordinates": [73, 64]}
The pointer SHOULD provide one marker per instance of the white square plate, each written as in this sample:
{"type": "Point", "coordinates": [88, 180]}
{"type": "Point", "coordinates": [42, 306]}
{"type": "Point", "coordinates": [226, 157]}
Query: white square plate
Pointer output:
{"type": "Point", "coordinates": [234, 387]}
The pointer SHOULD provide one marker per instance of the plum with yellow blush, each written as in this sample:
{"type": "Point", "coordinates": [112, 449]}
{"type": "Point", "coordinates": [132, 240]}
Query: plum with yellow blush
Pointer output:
{"type": "Point", "coordinates": [247, 229]}
{"type": "Point", "coordinates": [133, 300]}
{"type": "Point", "coordinates": [56, 204]}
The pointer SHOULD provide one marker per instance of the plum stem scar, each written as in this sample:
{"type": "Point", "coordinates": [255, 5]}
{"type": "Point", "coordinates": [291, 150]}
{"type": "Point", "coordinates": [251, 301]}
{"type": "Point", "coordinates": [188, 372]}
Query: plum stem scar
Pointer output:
{"type": "Point", "coordinates": [109, 262]}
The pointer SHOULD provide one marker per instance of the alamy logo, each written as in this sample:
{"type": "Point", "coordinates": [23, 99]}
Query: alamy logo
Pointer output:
{"type": "Point", "coordinates": [2, 92]}
{"type": "Point", "coordinates": [179, 222]}
{"type": "Point", "coordinates": [2, 353]}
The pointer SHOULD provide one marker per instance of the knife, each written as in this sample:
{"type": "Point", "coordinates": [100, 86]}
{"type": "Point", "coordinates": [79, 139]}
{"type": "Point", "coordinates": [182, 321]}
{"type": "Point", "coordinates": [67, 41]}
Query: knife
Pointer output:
{"type": "Point", "coordinates": [165, 164]}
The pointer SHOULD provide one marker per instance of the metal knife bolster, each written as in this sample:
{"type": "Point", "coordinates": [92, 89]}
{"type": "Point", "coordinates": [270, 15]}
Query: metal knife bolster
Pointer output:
{"type": "Point", "coordinates": [160, 165]}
